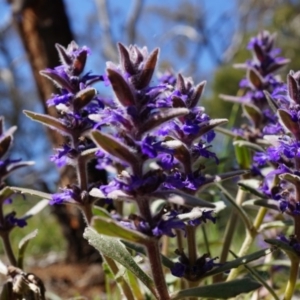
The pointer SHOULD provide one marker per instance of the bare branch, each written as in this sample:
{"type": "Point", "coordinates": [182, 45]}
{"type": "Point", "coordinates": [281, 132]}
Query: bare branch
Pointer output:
{"type": "Point", "coordinates": [109, 45]}
{"type": "Point", "coordinates": [133, 18]}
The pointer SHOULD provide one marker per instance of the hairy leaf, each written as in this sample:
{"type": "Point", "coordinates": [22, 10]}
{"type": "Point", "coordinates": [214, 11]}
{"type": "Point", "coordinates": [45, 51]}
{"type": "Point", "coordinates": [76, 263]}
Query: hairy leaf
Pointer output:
{"type": "Point", "coordinates": [114, 249]}
{"type": "Point", "coordinates": [49, 121]}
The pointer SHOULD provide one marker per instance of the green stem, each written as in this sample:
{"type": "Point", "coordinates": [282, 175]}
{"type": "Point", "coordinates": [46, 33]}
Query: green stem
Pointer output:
{"type": "Point", "coordinates": [239, 210]}
{"type": "Point", "coordinates": [8, 249]}
{"type": "Point", "coordinates": [207, 250]}
{"type": "Point", "coordinates": [250, 236]}
{"type": "Point", "coordinates": [6, 241]}
{"type": "Point", "coordinates": [290, 288]}
{"type": "Point", "coordinates": [120, 279]}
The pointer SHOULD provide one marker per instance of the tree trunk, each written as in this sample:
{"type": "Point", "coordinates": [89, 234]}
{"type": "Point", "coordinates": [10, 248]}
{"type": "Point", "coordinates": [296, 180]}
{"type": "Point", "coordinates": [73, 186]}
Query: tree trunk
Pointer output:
{"type": "Point", "coordinates": [41, 24]}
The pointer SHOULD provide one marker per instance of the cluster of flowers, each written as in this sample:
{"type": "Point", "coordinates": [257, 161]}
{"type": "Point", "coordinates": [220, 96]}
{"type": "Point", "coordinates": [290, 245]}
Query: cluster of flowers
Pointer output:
{"type": "Point", "coordinates": [273, 109]}
{"type": "Point", "coordinates": [152, 138]}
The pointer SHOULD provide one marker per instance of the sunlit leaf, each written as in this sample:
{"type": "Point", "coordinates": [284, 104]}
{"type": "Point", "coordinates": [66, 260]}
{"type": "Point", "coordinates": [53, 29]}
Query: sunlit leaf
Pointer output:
{"type": "Point", "coordinates": [114, 249]}
{"type": "Point", "coordinates": [111, 228]}
{"type": "Point", "coordinates": [49, 121]}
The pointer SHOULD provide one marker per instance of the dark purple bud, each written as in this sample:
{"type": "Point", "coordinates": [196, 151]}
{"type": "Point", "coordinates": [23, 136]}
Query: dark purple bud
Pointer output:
{"type": "Point", "coordinates": [180, 84]}
{"type": "Point", "coordinates": [125, 60]}
{"type": "Point", "coordinates": [289, 123]}
{"type": "Point", "coordinates": [293, 88]}
{"type": "Point", "coordinates": [143, 79]}
{"type": "Point", "coordinates": [63, 55]}
{"type": "Point", "coordinates": [177, 101]}
{"type": "Point", "coordinates": [121, 88]}
{"type": "Point", "coordinates": [1, 125]}
{"type": "Point", "coordinates": [5, 143]}
{"type": "Point", "coordinates": [84, 97]}
{"type": "Point", "coordinates": [79, 62]}
{"type": "Point", "coordinates": [197, 94]}
{"type": "Point", "coordinates": [178, 269]}
{"type": "Point", "coordinates": [259, 53]}
{"type": "Point", "coordinates": [254, 114]}
{"type": "Point", "coordinates": [255, 79]}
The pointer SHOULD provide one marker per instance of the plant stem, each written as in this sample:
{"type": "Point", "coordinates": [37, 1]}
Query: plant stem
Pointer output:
{"type": "Point", "coordinates": [120, 279]}
{"type": "Point", "coordinates": [250, 236]}
{"type": "Point", "coordinates": [157, 269]}
{"type": "Point", "coordinates": [290, 288]}
{"type": "Point", "coordinates": [154, 253]}
{"type": "Point", "coordinates": [8, 249]}
{"type": "Point", "coordinates": [192, 252]}
{"type": "Point", "coordinates": [192, 247]}
{"type": "Point", "coordinates": [229, 231]}
{"type": "Point", "coordinates": [5, 239]}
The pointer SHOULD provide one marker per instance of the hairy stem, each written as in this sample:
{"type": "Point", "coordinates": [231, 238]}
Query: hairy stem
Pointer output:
{"type": "Point", "coordinates": [157, 269]}
{"type": "Point", "coordinates": [154, 253]}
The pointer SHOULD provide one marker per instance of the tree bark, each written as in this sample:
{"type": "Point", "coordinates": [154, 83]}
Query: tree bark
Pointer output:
{"type": "Point", "coordinates": [41, 24]}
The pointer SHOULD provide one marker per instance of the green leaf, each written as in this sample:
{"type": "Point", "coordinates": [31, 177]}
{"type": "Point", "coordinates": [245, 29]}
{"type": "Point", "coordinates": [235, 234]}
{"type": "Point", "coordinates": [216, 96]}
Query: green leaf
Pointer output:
{"type": "Point", "coordinates": [31, 192]}
{"type": "Point", "coordinates": [267, 203]}
{"type": "Point", "coordinates": [36, 209]}
{"type": "Point", "coordinates": [49, 121]}
{"type": "Point", "coordinates": [114, 249]}
{"type": "Point", "coordinates": [22, 247]}
{"type": "Point", "coordinates": [209, 180]}
{"type": "Point", "coordinates": [289, 250]}
{"type": "Point", "coordinates": [294, 179]}
{"type": "Point", "coordinates": [260, 278]}
{"type": "Point", "coordinates": [238, 262]}
{"type": "Point", "coordinates": [249, 145]}
{"type": "Point", "coordinates": [271, 102]}
{"type": "Point", "coordinates": [252, 186]}
{"type": "Point", "coordinates": [243, 156]}
{"type": "Point", "coordinates": [276, 224]}
{"type": "Point", "coordinates": [209, 125]}
{"type": "Point", "coordinates": [135, 287]}
{"type": "Point", "coordinates": [114, 147]}
{"type": "Point", "coordinates": [223, 290]}
{"type": "Point", "coordinates": [111, 228]}
{"type": "Point", "coordinates": [226, 132]}
{"type": "Point", "coordinates": [101, 212]}
{"type": "Point", "coordinates": [140, 249]}
{"type": "Point", "coordinates": [240, 211]}
{"type": "Point", "coordinates": [181, 198]}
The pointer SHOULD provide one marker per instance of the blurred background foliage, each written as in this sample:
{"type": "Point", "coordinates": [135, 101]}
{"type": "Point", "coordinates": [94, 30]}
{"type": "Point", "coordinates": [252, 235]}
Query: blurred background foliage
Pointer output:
{"type": "Point", "coordinates": [201, 39]}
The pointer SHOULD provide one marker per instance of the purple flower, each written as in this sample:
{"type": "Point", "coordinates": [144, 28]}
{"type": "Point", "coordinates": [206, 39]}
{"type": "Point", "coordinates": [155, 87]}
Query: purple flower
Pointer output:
{"type": "Point", "coordinates": [13, 221]}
